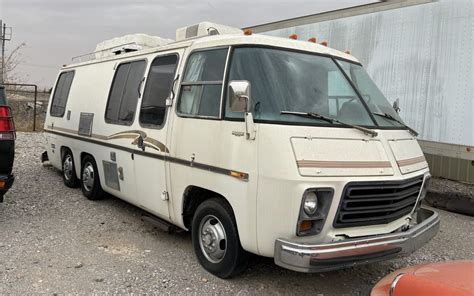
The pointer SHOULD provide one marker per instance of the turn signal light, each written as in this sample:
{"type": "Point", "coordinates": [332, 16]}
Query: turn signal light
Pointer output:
{"type": "Point", "coordinates": [293, 36]}
{"type": "Point", "coordinates": [305, 226]}
{"type": "Point", "coordinates": [2, 184]}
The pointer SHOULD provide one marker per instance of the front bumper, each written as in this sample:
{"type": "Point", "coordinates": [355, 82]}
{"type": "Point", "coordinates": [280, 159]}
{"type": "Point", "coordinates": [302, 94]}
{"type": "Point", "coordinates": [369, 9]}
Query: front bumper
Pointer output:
{"type": "Point", "coordinates": [347, 253]}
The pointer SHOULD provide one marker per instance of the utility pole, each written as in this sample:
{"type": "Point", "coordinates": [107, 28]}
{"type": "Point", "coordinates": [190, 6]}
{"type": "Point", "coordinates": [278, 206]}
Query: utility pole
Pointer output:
{"type": "Point", "coordinates": [4, 37]}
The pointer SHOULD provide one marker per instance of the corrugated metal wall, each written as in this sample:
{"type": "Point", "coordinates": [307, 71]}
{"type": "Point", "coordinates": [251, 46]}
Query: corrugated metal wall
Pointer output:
{"type": "Point", "coordinates": [421, 54]}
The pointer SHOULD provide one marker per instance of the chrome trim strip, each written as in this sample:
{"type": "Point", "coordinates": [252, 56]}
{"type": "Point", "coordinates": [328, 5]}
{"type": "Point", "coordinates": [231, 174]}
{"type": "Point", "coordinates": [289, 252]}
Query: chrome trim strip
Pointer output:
{"type": "Point", "coordinates": [210, 168]}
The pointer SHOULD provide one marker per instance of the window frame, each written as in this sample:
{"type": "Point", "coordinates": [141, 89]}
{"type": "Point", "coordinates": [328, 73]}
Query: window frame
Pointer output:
{"type": "Point", "coordinates": [175, 76]}
{"type": "Point", "coordinates": [223, 82]}
{"type": "Point", "coordinates": [144, 78]}
{"type": "Point", "coordinates": [55, 90]}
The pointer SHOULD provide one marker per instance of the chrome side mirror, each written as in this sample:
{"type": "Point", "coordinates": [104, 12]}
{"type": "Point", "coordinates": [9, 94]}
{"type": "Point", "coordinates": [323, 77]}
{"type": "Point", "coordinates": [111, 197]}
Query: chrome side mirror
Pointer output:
{"type": "Point", "coordinates": [239, 95]}
{"type": "Point", "coordinates": [396, 105]}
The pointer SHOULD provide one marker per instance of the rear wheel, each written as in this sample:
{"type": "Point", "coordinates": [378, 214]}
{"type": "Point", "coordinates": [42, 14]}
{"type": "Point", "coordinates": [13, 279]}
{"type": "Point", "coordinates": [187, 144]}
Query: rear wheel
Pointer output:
{"type": "Point", "coordinates": [69, 170]}
{"type": "Point", "coordinates": [216, 240]}
{"type": "Point", "coordinates": [90, 183]}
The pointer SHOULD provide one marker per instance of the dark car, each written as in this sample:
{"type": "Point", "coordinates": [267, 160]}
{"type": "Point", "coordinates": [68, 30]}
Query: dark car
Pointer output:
{"type": "Point", "coordinates": [7, 144]}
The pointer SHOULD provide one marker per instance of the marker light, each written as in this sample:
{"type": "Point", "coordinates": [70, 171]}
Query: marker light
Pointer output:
{"type": "Point", "coordinates": [312, 39]}
{"type": "Point", "coordinates": [248, 32]}
{"type": "Point", "coordinates": [324, 43]}
{"type": "Point", "coordinates": [348, 51]}
{"type": "Point", "coordinates": [293, 36]}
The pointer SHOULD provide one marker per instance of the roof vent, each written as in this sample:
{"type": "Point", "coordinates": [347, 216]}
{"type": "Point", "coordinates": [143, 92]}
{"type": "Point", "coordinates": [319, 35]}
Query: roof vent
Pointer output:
{"type": "Point", "coordinates": [205, 29]}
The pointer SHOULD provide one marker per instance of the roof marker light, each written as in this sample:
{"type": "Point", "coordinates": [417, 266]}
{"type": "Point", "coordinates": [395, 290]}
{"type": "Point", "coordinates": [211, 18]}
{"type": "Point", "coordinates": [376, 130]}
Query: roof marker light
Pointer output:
{"type": "Point", "coordinates": [293, 36]}
{"type": "Point", "coordinates": [324, 43]}
{"type": "Point", "coordinates": [347, 52]}
{"type": "Point", "coordinates": [312, 39]}
{"type": "Point", "coordinates": [248, 32]}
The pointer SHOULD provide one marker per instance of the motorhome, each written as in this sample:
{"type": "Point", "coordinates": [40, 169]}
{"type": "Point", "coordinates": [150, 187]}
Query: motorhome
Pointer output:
{"type": "Point", "coordinates": [278, 147]}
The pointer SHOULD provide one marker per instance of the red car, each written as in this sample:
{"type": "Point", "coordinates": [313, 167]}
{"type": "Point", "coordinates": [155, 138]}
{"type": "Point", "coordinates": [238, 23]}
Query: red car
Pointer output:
{"type": "Point", "coordinates": [7, 144]}
{"type": "Point", "coordinates": [454, 278]}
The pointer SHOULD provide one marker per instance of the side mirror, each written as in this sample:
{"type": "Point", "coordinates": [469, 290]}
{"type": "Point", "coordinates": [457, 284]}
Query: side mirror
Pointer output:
{"type": "Point", "coordinates": [239, 95]}
{"type": "Point", "coordinates": [396, 105]}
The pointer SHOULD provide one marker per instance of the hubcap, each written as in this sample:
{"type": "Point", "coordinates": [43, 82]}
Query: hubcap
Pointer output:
{"type": "Point", "coordinates": [68, 167]}
{"type": "Point", "coordinates": [88, 176]}
{"type": "Point", "coordinates": [212, 239]}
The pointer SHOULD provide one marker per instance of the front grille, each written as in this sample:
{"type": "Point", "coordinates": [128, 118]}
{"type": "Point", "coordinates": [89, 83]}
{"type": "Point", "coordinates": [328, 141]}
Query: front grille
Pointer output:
{"type": "Point", "coordinates": [370, 203]}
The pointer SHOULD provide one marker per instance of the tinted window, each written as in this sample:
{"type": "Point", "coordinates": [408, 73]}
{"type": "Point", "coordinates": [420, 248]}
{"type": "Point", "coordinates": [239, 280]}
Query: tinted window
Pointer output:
{"type": "Point", "coordinates": [202, 83]}
{"type": "Point", "coordinates": [61, 93]}
{"type": "Point", "coordinates": [158, 87]}
{"type": "Point", "coordinates": [124, 93]}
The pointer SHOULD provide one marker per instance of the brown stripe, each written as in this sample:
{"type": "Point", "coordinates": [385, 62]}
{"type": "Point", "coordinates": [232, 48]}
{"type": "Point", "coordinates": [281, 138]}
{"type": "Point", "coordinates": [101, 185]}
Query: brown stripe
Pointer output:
{"type": "Point", "coordinates": [411, 161]}
{"type": "Point", "coordinates": [342, 164]}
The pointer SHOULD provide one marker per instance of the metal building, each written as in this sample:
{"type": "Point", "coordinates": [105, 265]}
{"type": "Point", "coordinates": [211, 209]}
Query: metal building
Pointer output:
{"type": "Point", "coordinates": [419, 51]}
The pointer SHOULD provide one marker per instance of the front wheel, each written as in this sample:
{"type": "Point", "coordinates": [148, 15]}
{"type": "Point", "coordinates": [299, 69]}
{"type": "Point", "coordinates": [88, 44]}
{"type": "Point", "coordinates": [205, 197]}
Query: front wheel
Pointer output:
{"type": "Point", "coordinates": [90, 183]}
{"type": "Point", "coordinates": [216, 240]}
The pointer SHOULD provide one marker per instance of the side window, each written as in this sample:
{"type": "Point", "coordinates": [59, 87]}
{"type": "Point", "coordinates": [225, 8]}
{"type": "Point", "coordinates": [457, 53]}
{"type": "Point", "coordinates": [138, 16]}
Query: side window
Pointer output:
{"type": "Point", "coordinates": [124, 93]}
{"type": "Point", "coordinates": [61, 93]}
{"type": "Point", "coordinates": [157, 89]}
{"type": "Point", "coordinates": [202, 83]}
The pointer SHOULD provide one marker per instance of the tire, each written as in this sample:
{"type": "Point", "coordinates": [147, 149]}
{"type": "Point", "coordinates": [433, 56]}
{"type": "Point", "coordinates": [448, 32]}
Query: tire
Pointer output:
{"type": "Point", "coordinates": [69, 170]}
{"type": "Point", "coordinates": [214, 229]}
{"type": "Point", "coordinates": [90, 182]}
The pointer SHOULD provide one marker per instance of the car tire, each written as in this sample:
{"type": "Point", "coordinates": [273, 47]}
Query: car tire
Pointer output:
{"type": "Point", "coordinates": [216, 240]}
{"type": "Point", "coordinates": [69, 170]}
{"type": "Point", "coordinates": [90, 182]}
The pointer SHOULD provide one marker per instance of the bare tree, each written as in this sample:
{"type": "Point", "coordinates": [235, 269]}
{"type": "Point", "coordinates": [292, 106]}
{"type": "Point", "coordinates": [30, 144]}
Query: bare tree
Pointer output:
{"type": "Point", "coordinates": [12, 60]}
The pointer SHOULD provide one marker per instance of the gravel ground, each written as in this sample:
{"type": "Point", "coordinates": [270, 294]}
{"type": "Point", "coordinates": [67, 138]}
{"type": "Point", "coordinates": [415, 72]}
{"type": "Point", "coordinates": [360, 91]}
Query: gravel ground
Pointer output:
{"type": "Point", "coordinates": [54, 241]}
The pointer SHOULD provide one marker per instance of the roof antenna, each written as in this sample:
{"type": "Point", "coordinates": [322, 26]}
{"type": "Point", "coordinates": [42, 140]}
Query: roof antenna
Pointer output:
{"type": "Point", "coordinates": [212, 31]}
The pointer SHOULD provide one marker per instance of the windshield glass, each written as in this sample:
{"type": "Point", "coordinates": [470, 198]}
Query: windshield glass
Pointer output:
{"type": "Point", "coordinates": [370, 93]}
{"type": "Point", "coordinates": [283, 80]}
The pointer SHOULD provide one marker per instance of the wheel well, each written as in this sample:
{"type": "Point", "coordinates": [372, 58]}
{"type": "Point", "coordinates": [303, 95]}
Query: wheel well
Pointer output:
{"type": "Point", "coordinates": [84, 154]}
{"type": "Point", "coordinates": [193, 197]}
{"type": "Point", "coordinates": [63, 150]}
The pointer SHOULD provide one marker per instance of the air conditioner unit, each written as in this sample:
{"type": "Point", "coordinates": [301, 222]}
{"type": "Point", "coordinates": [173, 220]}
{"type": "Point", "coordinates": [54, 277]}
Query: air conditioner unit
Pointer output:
{"type": "Point", "coordinates": [205, 29]}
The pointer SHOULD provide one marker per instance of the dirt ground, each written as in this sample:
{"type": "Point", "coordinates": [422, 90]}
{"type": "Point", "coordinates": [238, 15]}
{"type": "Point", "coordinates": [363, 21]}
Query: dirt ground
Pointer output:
{"type": "Point", "coordinates": [55, 241]}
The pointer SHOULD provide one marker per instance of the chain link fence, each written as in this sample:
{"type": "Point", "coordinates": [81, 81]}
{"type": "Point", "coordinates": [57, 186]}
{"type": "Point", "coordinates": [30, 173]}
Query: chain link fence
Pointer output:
{"type": "Point", "coordinates": [22, 102]}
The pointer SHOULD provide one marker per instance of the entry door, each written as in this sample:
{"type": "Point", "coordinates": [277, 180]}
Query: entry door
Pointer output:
{"type": "Point", "coordinates": [150, 167]}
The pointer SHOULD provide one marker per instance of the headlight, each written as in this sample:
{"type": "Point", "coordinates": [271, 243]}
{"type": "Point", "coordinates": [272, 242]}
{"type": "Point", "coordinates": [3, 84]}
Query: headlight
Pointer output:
{"type": "Point", "coordinates": [310, 204]}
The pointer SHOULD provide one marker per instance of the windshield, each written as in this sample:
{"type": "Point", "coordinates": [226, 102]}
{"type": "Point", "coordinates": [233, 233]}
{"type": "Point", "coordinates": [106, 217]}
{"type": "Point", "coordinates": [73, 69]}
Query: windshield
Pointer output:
{"type": "Point", "coordinates": [372, 95]}
{"type": "Point", "coordinates": [283, 80]}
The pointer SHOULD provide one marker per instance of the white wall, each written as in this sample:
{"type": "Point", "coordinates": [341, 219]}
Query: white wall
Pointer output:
{"type": "Point", "coordinates": [421, 54]}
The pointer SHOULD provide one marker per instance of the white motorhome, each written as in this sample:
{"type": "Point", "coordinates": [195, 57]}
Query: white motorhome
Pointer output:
{"type": "Point", "coordinates": [256, 144]}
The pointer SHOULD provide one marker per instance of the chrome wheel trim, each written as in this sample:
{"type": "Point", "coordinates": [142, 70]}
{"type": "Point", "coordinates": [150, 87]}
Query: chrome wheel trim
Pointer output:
{"type": "Point", "coordinates": [88, 176]}
{"type": "Point", "coordinates": [68, 167]}
{"type": "Point", "coordinates": [212, 238]}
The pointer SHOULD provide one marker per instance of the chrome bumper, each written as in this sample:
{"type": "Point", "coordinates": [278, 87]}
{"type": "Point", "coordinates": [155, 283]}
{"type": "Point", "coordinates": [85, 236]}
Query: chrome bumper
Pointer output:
{"type": "Point", "coordinates": [347, 253]}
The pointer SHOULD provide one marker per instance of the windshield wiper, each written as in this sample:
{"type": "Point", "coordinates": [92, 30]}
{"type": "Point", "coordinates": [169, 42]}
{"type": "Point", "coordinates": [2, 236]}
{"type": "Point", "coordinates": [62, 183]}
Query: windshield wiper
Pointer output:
{"type": "Point", "coordinates": [331, 120]}
{"type": "Point", "coordinates": [388, 116]}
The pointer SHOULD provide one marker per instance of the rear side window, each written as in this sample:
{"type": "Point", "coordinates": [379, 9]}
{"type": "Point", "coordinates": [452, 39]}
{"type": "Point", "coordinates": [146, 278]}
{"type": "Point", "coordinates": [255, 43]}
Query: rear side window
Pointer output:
{"type": "Point", "coordinates": [202, 83]}
{"type": "Point", "coordinates": [61, 93]}
{"type": "Point", "coordinates": [124, 93]}
{"type": "Point", "coordinates": [157, 89]}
